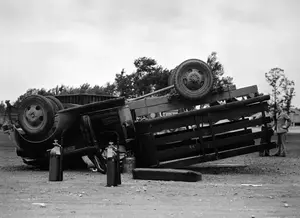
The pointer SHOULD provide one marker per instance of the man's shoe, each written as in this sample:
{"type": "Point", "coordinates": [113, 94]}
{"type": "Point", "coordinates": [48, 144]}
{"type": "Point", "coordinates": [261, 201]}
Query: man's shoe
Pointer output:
{"type": "Point", "coordinates": [276, 155]}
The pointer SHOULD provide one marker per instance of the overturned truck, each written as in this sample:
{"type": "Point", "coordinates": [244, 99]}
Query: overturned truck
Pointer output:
{"type": "Point", "coordinates": [189, 126]}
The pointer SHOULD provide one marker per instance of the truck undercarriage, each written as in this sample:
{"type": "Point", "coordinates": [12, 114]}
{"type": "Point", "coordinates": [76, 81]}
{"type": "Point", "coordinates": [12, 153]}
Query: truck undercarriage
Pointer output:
{"type": "Point", "coordinates": [171, 131]}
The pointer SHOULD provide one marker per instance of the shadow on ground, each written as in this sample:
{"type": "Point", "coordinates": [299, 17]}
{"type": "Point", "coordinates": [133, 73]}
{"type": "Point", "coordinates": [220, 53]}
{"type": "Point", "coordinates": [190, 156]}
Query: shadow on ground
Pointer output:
{"type": "Point", "coordinates": [231, 169]}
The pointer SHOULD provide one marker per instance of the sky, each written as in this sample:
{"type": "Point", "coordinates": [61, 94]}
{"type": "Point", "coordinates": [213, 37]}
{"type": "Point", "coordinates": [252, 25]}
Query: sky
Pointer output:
{"type": "Point", "coordinates": [71, 42]}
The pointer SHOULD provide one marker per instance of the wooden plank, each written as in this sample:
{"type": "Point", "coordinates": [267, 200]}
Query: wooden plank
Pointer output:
{"type": "Point", "coordinates": [175, 121]}
{"type": "Point", "coordinates": [177, 144]}
{"type": "Point", "coordinates": [143, 127]}
{"type": "Point", "coordinates": [239, 112]}
{"type": "Point", "coordinates": [225, 127]}
{"type": "Point", "coordinates": [183, 162]}
{"type": "Point", "coordinates": [178, 152]}
{"type": "Point", "coordinates": [193, 150]}
{"type": "Point", "coordinates": [161, 104]}
{"type": "Point", "coordinates": [166, 174]}
{"type": "Point", "coordinates": [203, 128]}
{"type": "Point", "coordinates": [159, 91]}
{"type": "Point", "coordinates": [234, 139]}
{"type": "Point", "coordinates": [205, 111]}
{"type": "Point", "coordinates": [205, 139]}
{"type": "Point", "coordinates": [96, 106]}
{"type": "Point", "coordinates": [153, 101]}
{"type": "Point", "coordinates": [205, 131]}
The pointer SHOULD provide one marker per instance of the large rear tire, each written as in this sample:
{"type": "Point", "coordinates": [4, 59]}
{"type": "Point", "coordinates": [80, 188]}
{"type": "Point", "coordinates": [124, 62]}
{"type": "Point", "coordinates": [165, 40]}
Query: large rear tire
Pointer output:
{"type": "Point", "coordinates": [36, 115]}
{"type": "Point", "coordinates": [193, 79]}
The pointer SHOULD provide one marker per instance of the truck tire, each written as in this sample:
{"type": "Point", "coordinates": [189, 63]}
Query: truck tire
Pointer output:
{"type": "Point", "coordinates": [57, 104]}
{"type": "Point", "coordinates": [36, 115]}
{"type": "Point", "coordinates": [193, 79]}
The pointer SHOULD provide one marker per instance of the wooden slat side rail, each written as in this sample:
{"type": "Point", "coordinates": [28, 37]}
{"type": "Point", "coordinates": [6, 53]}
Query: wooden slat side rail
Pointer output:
{"type": "Point", "coordinates": [205, 140]}
{"type": "Point", "coordinates": [192, 132]}
{"type": "Point", "coordinates": [239, 112]}
{"type": "Point", "coordinates": [157, 125]}
{"type": "Point", "coordinates": [194, 150]}
{"type": "Point", "coordinates": [183, 162]}
{"type": "Point", "coordinates": [205, 111]}
{"type": "Point", "coordinates": [205, 131]}
{"type": "Point", "coordinates": [160, 104]}
{"type": "Point", "coordinates": [234, 139]}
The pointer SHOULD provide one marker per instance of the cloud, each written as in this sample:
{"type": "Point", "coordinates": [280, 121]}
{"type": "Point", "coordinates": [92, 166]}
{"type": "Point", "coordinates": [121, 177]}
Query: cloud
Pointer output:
{"type": "Point", "coordinates": [45, 43]}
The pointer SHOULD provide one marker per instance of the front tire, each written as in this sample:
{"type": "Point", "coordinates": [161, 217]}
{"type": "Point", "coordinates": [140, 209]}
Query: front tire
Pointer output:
{"type": "Point", "coordinates": [36, 115]}
{"type": "Point", "coordinates": [193, 79]}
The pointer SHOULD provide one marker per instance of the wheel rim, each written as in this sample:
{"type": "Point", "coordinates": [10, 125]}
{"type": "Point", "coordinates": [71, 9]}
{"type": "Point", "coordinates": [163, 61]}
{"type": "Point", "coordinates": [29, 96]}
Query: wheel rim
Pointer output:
{"type": "Point", "coordinates": [193, 79]}
{"type": "Point", "coordinates": [34, 117]}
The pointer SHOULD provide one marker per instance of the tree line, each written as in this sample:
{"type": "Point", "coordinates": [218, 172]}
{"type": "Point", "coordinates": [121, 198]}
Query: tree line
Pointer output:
{"type": "Point", "coordinates": [149, 76]}
{"type": "Point", "coordinates": [283, 90]}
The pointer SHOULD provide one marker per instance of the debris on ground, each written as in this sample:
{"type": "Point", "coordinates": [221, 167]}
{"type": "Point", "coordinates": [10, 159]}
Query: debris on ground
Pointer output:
{"type": "Point", "coordinates": [251, 185]}
{"type": "Point", "coordinates": [40, 204]}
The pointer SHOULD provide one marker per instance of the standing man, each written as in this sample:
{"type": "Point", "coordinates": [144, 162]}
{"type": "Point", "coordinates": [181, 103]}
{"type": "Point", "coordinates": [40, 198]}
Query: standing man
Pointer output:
{"type": "Point", "coordinates": [283, 123]}
{"type": "Point", "coordinates": [7, 124]}
{"type": "Point", "coordinates": [266, 152]}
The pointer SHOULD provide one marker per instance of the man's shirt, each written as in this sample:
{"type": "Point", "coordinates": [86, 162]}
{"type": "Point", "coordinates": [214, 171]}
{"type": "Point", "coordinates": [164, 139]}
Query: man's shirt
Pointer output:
{"type": "Point", "coordinates": [283, 123]}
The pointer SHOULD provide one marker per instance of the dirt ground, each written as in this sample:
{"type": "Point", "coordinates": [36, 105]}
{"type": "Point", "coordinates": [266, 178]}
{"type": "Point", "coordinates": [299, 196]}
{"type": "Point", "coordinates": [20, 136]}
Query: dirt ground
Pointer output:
{"type": "Point", "coordinates": [244, 186]}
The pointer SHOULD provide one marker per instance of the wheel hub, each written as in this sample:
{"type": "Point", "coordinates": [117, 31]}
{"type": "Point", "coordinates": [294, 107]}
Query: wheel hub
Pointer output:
{"type": "Point", "coordinates": [34, 116]}
{"type": "Point", "coordinates": [194, 79]}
